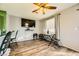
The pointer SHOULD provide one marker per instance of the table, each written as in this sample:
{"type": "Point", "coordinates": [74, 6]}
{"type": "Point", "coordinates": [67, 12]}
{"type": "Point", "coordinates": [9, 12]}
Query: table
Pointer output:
{"type": "Point", "coordinates": [46, 37]}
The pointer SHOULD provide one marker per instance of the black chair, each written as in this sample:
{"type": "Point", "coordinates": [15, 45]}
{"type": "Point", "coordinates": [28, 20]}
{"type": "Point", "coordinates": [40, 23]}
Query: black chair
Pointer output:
{"type": "Point", "coordinates": [5, 43]}
{"type": "Point", "coordinates": [35, 36]}
{"type": "Point", "coordinates": [41, 36]}
{"type": "Point", "coordinates": [13, 42]}
{"type": "Point", "coordinates": [14, 38]}
{"type": "Point", "coordinates": [54, 40]}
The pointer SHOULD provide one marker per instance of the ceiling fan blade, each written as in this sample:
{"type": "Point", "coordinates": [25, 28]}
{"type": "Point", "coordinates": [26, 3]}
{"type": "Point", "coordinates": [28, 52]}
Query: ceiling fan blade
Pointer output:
{"type": "Point", "coordinates": [50, 7]}
{"type": "Point", "coordinates": [43, 4]}
{"type": "Point", "coordinates": [37, 4]}
{"type": "Point", "coordinates": [43, 11]}
{"type": "Point", "coordinates": [36, 10]}
{"type": "Point", "coordinates": [40, 4]}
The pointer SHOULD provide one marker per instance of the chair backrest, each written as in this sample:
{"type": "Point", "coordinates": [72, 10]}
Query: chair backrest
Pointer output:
{"type": "Point", "coordinates": [5, 43]}
{"type": "Point", "coordinates": [35, 34]}
{"type": "Point", "coordinates": [41, 36]}
{"type": "Point", "coordinates": [15, 34]}
{"type": "Point", "coordinates": [54, 38]}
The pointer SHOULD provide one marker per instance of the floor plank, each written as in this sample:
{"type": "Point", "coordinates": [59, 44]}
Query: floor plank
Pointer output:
{"type": "Point", "coordinates": [40, 48]}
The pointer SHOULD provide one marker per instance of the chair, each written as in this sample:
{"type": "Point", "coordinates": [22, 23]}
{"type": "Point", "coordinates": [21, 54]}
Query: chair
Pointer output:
{"type": "Point", "coordinates": [13, 42]}
{"type": "Point", "coordinates": [54, 40]}
{"type": "Point", "coordinates": [5, 43]}
{"type": "Point", "coordinates": [35, 36]}
{"type": "Point", "coordinates": [41, 36]}
{"type": "Point", "coordinates": [14, 38]}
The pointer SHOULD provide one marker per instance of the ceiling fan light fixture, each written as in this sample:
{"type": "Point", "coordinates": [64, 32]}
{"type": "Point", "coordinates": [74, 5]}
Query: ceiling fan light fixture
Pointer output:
{"type": "Point", "coordinates": [43, 6]}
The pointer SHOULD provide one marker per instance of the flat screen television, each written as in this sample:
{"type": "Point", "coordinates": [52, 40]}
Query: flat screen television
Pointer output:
{"type": "Point", "coordinates": [31, 23]}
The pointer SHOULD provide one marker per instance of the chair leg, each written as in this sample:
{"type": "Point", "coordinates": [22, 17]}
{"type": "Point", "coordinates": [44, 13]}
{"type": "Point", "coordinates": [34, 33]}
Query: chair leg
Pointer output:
{"type": "Point", "coordinates": [12, 47]}
{"type": "Point", "coordinates": [50, 43]}
{"type": "Point", "coordinates": [16, 44]}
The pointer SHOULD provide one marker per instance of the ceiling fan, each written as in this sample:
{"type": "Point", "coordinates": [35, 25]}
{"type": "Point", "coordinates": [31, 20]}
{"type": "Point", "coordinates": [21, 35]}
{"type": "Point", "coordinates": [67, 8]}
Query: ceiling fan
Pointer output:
{"type": "Point", "coordinates": [43, 6]}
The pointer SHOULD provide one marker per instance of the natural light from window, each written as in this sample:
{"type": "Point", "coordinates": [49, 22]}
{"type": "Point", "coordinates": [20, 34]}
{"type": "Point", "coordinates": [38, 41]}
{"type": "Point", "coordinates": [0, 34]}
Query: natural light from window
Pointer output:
{"type": "Point", "coordinates": [50, 26]}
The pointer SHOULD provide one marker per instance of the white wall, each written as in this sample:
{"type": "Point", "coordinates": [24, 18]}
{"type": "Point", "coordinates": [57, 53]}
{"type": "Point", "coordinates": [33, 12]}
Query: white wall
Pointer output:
{"type": "Point", "coordinates": [69, 28]}
{"type": "Point", "coordinates": [42, 24]}
{"type": "Point", "coordinates": [38, 28]}
{"type": "Point", "coordinates": [14, 23]}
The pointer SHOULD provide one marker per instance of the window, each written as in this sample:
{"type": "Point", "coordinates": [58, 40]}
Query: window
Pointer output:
{"type": "Point", "coordinates": [50, 26]}
{"type": "Point", "coordinates": [2, 23]}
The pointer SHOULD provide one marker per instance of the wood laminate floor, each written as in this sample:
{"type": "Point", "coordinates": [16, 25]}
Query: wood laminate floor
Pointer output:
{"type": "Point", "coordinates": [39, 48]}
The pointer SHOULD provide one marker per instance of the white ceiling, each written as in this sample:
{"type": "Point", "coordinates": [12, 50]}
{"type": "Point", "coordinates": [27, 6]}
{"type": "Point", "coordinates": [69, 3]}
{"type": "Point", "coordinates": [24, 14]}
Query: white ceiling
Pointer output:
{"type": "Point", "coordinates": [25, 9]}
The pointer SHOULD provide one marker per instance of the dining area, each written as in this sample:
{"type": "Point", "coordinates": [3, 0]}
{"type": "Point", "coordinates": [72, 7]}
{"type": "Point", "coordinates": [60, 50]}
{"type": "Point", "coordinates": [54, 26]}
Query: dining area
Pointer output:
{"type": "Point", "coordinates": [6, 41]}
